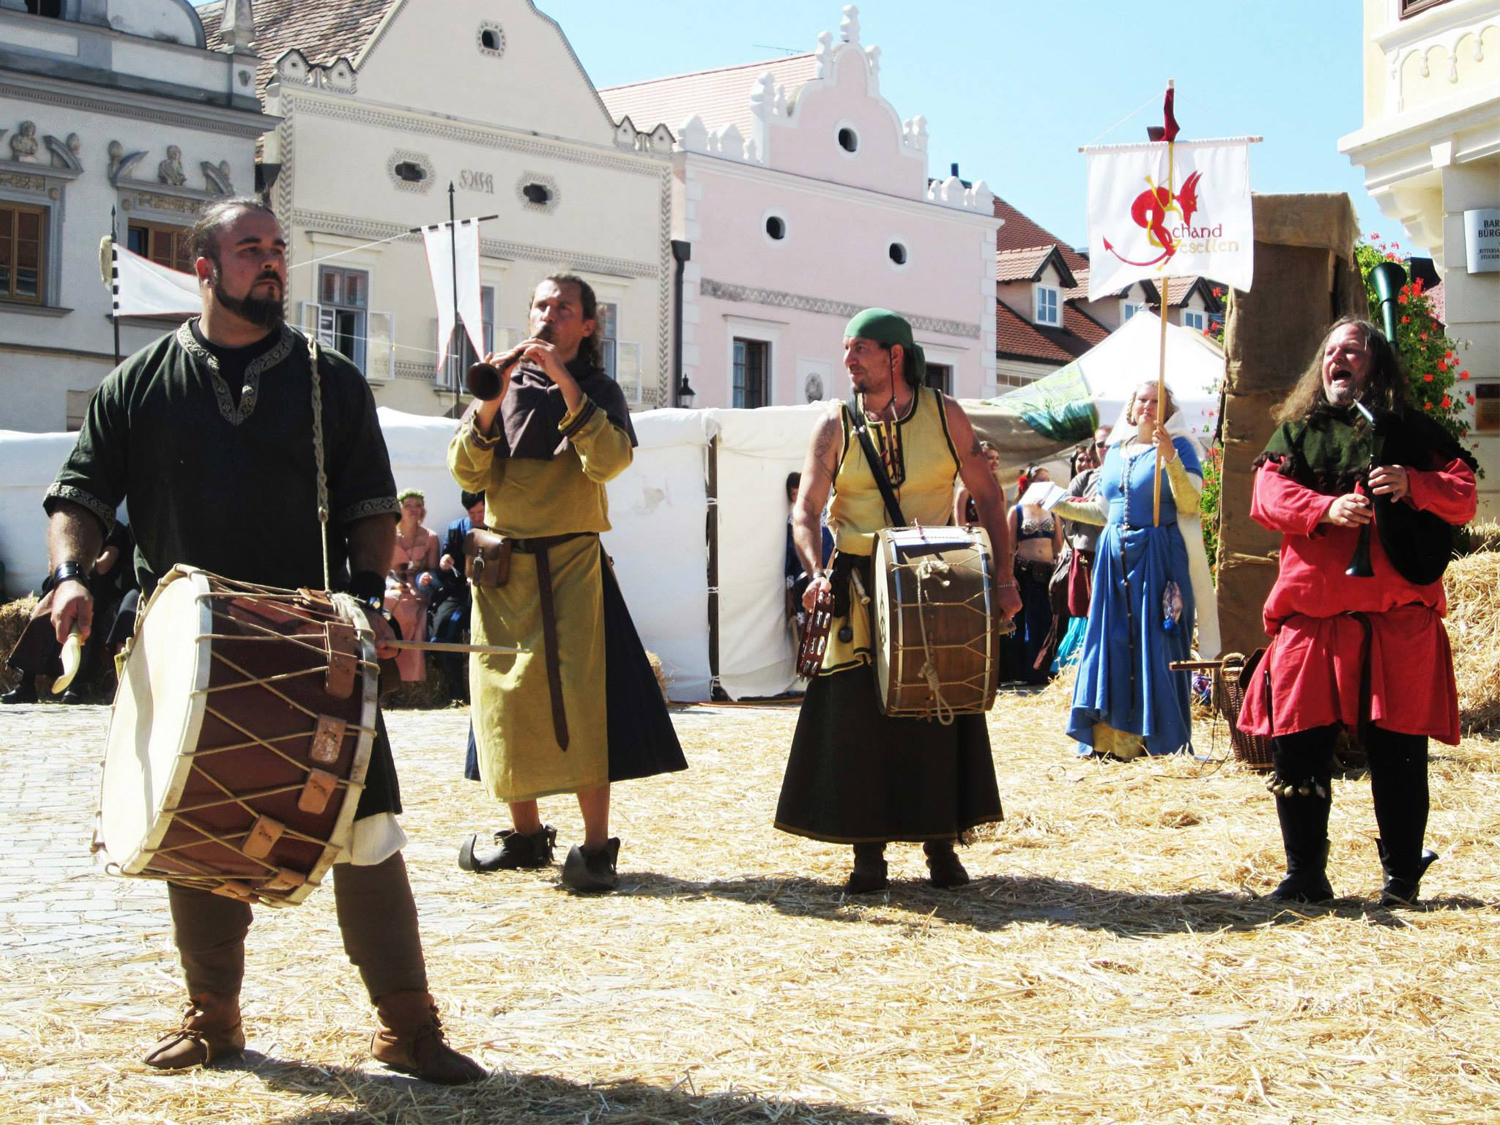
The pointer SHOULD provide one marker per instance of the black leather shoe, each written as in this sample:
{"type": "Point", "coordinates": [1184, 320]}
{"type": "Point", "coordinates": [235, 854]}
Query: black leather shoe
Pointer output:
{"type": "Point", "coordinates": [515, 851]}
{"type": "Point", "coordinates": [23, 692]}
{"type": "Point", "coordinates": [592, 872]}
{"type": "Point", "coordinates": [73, 696]}
{"type": "Point", "coordinates": [1399, 891]}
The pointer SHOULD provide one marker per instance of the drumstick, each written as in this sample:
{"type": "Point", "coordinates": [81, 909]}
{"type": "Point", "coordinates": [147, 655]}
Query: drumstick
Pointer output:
{"type": "Point", "coordinates": [71, 657]}
{"type": "Point", "coordinates": [444, 646]}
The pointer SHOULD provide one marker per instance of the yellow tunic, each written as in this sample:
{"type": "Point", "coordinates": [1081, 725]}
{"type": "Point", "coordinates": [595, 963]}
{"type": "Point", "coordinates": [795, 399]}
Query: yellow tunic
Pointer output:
{"type": "Point", "coordinates": [519, 757]}
{"type": "Point", "coordinates": [922, 464]}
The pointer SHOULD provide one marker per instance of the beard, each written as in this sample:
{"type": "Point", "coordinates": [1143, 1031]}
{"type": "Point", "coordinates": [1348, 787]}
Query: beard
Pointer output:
{"type": "Point", "coordinates": [263, 312]}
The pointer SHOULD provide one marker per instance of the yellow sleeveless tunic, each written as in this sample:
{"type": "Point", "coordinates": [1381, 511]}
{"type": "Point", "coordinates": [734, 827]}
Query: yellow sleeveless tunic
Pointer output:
{"type": "Point", "coordinates": [922, 463]}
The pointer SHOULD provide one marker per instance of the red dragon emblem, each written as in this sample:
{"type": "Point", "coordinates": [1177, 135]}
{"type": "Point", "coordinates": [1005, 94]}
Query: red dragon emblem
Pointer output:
{"type": "Point", "coordinates": [1150, 211]}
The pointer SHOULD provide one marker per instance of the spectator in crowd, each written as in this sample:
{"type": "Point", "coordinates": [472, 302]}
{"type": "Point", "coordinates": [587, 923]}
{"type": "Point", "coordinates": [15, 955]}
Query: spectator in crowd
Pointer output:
{"type": "Point", "coordinates": [1081, 543]}
{"type": "Point", "coordinates": [112, 584]}
{"type": "Point", "coordinates": [412, 581]}
{"type": "Point", "coordinates": [1038, 538]}
{"type": "Point", "coordinates": [452, 600]}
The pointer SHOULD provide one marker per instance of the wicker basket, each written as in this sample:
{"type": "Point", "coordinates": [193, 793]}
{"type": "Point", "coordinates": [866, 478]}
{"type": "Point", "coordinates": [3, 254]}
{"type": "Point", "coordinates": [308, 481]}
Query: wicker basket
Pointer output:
{"type": "Point", "coordinates": [1253, 750]}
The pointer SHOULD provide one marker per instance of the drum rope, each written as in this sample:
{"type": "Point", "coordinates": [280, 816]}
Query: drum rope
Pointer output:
{"type": "Point", "coordinates": [929, 568]}
{"type": "Point", "coordinates": [314, 354]}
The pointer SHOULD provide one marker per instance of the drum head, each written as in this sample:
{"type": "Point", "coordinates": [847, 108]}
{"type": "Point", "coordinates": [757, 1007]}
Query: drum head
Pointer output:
{"type": "Point", "coordinates": [156, 719]}
{"type": "Point", "coordinates": [880, 578]}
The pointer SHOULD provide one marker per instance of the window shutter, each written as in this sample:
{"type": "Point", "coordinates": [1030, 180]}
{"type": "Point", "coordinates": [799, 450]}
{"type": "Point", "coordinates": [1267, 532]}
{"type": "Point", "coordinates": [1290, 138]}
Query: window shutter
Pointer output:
{"type": "Point", "coordinates": [381, 353]}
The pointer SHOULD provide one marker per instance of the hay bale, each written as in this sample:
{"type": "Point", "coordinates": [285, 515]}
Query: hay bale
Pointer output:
{"type": "Point", "coordinates": [1476, 537]}
{"type": "Point", "coordinates": [656, 670]}
{"type": "Point", "coordinates": [1473, 585]}
{"type": "Point", "coordinates": [14, 617]}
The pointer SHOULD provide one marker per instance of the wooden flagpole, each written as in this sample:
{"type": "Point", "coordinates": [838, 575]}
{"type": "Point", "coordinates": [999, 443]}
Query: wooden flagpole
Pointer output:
{"type": "Point", "coordinates": [1161, 373]}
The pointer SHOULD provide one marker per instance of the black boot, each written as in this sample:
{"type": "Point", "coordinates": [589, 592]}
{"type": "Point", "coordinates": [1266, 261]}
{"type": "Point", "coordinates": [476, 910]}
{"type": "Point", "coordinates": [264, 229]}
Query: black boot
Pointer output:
{"type": "Point", "coordinates": [592, 872]}
{"type": "Point", "coordinates": [942, 862]}
{"type": "Point", "coordinates": [869, 872]}
{"type": "Point", "coordinates": [23, 692]}
{"type": "Point", "coordinates": [515, 851]}
{"type": "Point", "coordinates": [1302, 784]}
{"type": "Point", "coordinates": [1398, 787]}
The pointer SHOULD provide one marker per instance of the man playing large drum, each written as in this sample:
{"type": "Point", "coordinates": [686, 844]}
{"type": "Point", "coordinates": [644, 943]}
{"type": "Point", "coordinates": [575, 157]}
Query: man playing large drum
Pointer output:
{"type": "Point", "coordinates": [857, 776]}
{"type": "Point", "coordinates": [209, 433]}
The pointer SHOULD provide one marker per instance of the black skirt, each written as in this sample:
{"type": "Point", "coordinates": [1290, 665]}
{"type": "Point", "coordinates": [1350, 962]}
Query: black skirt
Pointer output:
{"type": "Point", "coordinates": [857, 776]}
{"type": "Point", "coordinates": [642, 741]}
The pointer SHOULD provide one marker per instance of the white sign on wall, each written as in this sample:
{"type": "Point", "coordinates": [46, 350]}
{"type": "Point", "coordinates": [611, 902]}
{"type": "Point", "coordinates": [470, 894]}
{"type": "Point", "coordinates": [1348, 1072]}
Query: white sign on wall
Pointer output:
{"type": "Point", "coordinates": [1482, 240]}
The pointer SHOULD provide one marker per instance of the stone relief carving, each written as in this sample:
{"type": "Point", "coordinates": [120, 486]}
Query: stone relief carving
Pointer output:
{"type": "Point", "coordinates": [121, 163]}
{"type": "Point", "coordinates": [849, 25]}
{"type": "Point", "coordinates": [216, 177]}
{"type": "Point", "coordinates": [65, 152]}
{"type": "Point", "coordinates": [24, 145]}
{"type": "Point", "coordinates": [169, 171]}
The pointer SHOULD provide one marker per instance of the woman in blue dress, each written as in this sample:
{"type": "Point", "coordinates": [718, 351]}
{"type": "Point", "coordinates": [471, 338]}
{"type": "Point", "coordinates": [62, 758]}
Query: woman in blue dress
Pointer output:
{"type": "Point", "coordinates": [1126, 700]}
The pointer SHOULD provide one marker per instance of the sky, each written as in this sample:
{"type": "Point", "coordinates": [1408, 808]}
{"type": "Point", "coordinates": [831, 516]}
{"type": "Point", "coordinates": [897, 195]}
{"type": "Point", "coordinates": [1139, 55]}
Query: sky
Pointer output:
{"type": "Point", "coordinates": [1012, 88]}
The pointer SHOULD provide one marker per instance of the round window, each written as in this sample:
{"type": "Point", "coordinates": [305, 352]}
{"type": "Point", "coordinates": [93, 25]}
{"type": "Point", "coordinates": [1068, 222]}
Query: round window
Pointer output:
{"type": "Point", "coordinates": [537, 193]}
{"type": "Point", "coordinates": [897, 253]}
{"type": "Point", "coordinates": [848, 139]}
{"type": "Point", "coordinates": [776, 227]}
{"type": "Point", "coordinates": [409, 171]}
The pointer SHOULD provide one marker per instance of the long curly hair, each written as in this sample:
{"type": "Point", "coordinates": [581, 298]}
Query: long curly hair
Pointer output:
{"type": "Point", "coordinates": [1386, 386]}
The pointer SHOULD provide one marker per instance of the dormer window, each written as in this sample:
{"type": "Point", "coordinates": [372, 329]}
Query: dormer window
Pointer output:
{"type": "Point", "coordinates": [1047, 308]}
{"type": "Point", "coordinates": [1192, 318]}
{"type": "Point", "coordinates": [1130, 308]}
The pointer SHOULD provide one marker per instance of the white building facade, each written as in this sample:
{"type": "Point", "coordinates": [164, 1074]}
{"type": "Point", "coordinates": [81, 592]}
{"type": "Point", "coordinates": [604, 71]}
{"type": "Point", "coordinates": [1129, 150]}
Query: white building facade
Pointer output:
{"type": "Point", "coordinates": [381, 110]}
{"type": "Point", "coordinates": [108, 104]}
{"type": "Point", "coordinates": [801, 197]}
{"type": "Point", "coordinates": [1430, 150]}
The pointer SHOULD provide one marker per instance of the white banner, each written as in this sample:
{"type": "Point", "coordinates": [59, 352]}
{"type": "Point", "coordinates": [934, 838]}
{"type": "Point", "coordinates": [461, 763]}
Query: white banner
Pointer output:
{"type": "Point", "coordinates": [1149, 221]}
{"type": "Point", "coordinates": [143, 288]}
{"type": "Point", "coordinates": [440, 264]}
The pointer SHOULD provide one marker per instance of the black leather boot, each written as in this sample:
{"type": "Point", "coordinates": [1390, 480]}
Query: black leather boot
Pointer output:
{"type": "Point", "coordinates": [1398, 787]}
{"type": "Point", "coordinates": [23, 692]}
{"type": "Point", "coordinates": [515, 851]}
{"type": "Point", "coordinates": [869, 872]}
{"type": "Point", "coordinates": [1302, 784]}
{"type": "Point", "coordinates": [942, 863]}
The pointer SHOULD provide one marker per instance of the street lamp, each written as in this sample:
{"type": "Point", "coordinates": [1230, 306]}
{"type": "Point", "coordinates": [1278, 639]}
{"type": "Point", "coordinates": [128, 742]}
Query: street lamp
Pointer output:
{"type": "Point", "coordinates": [685, 393]}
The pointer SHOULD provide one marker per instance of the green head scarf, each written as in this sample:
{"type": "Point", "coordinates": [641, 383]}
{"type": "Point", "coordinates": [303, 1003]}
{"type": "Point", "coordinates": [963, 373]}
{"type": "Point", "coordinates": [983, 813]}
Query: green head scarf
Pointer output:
{"type": "Point", "coordinates": [886, 327]}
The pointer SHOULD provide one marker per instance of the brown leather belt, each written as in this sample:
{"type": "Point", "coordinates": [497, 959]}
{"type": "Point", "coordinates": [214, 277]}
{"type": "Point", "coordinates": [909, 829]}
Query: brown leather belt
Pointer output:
{"type": "Point", "coordinates": [540, 547]}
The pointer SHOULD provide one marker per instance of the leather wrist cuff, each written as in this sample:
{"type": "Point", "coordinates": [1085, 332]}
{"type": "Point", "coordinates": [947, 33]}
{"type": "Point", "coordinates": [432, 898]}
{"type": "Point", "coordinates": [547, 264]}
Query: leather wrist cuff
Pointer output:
{"type": "Point", "coordinates": [368, 587]}
{"type": "Point", "coordinates": [71, 571]}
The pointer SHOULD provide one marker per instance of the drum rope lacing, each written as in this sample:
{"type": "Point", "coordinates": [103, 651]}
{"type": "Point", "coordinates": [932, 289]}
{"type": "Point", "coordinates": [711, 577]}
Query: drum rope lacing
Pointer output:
{"type": "Point", "coordinates": [935, 568]}
{"type": "Point", "coordinates": [314, 354]}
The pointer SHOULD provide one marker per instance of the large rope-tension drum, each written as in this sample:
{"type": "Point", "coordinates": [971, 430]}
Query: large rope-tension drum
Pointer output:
{"type": "Point", "coordinates": [239, 739]}
{"type": "Point", "coordinates": [936, 629]}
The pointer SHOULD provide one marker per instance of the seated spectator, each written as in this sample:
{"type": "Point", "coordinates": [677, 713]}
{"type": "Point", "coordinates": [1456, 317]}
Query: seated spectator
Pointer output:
{"type": "Point", "coordinates": [412, 581]}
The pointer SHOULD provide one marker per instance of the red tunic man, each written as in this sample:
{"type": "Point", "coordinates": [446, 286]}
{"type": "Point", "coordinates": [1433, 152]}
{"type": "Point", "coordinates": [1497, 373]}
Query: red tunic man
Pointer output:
{"type": "Point", "coordinates": [1370, 654]}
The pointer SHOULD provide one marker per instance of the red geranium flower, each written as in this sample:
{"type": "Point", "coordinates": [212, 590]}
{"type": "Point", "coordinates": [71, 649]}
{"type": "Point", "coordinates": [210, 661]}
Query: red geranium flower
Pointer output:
{"type": "Point", "coordinates": [1401, 299]}
{"type": "Point", "coordinates": [1406, 320]}
{"type": "Point", "coordinates": [1424, 335]}
{"type": "Point", "coordinates": [1471, 400]}
{"type": "Point", "coordinates": [1447, 402]}
{"type": "Point", "coordinates": [1427, 406]}
{"type": "Point", "coordinates": [1390, 257]}
{"type": "Point", "coordinates": [1427, 378]}
{"type": "Point", "coordinates": [1218, 292]}
{"type": "Point", "coordinates": [1463, 374]}
{"type": "Point", "coordinates": [1374, 236]}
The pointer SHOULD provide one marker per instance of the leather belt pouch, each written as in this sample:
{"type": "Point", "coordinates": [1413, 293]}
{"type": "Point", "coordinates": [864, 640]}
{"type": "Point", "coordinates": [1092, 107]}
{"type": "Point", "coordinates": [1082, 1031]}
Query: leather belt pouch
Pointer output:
{"type": "Point", "coordinates": [486, 557]}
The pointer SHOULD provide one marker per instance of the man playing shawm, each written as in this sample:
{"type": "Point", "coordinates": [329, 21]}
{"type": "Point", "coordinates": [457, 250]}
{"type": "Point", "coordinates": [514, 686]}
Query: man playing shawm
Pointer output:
{"type": "Point", "coordinates": [856, 776]}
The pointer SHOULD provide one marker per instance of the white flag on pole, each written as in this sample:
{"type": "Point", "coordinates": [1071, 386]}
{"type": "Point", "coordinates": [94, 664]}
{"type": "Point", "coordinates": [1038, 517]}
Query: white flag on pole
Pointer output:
{"type": "Point", "coordinates": [441, 251]}
{"type": "Point", "coordinates": [1151, 216]}
{"type": "Point", "coordinates": [140, 287]}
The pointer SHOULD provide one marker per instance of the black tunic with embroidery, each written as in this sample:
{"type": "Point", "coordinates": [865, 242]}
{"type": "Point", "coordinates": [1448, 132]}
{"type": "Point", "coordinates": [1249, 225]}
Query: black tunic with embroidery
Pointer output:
{"type": "Point", "coordinates": [213, 450]}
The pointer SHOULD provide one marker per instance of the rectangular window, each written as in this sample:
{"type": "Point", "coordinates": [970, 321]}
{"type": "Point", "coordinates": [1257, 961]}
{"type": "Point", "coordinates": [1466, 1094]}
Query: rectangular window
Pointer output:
{"type": "Point", "coordinates": [608, 320]}
{"type": "Point", "coordinates": [1046, 306]}
{"type": "Point", "coordinates": [343, 320]}
{"type": "Point", "coordinates": [940, 375]}
{"type": "Point", "coordinates": [1487, 407]}
{"type": "Point", "coordinates": [752, 364]}
{"type": "Point", "coordinates": [461, 358]}
{"type": "Point", "coordinates": [1131, 308]}
{"type": "Point", "coordinates": [1192, 318]}
{"type": "Point", "coordinates": [165, 245]}
{"type": "Point", "coordinates": [23, 251]}
{"type": "Point", "coordinates": [1412, 7]}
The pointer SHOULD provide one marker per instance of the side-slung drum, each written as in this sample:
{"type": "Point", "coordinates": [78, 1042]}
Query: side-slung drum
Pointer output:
{"type": "Point", "coordinates": [240, 737]}
{"type": "Point", "coordinates": [935, 629]}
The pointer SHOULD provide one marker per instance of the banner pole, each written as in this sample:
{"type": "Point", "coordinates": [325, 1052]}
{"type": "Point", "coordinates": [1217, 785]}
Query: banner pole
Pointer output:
{"type": "Point", "coordinates": [114, 308]}
{"type": "Point", "coordinates": [1161, 385]}
{"type": "Point", "coordinates": [457, 324]}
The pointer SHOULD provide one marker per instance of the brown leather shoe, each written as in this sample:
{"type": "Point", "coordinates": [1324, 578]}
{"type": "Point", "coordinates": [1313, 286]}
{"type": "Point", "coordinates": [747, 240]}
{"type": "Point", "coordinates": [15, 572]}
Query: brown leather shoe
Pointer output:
{"type": "Point", "coordinates": [409, 1038]}
{"type": "Point", "coordinates": [210, 1030]}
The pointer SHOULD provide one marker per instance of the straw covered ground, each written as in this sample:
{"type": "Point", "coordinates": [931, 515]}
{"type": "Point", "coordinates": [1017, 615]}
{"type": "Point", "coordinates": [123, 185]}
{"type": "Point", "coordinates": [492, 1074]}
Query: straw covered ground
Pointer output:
{"type": "Point", "coordinates": [1113, 960]}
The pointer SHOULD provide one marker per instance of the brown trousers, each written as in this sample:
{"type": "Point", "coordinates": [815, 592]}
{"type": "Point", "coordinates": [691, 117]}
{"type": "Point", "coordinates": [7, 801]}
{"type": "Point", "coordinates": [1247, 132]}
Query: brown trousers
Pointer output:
{"type": "Point", "coordinates": [377, 918]}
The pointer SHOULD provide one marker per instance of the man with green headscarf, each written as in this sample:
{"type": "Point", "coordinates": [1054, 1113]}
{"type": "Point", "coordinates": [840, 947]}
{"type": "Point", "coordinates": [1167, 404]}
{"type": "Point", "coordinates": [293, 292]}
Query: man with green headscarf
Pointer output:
{"type": "Point", "coordinates": [854, 775]}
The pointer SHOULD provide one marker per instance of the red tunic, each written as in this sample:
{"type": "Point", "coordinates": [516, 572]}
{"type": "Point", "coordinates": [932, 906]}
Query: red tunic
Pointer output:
{"type": "Point", "coordinates": [1316, 657]}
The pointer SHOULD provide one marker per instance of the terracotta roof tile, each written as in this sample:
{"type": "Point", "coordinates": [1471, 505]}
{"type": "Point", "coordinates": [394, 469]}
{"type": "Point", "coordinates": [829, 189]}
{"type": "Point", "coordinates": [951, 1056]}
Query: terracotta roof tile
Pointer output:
{"type": "Point", "coordinates": [1021, 264]}
{"type": "Point", "coordinates": [1016, 337]}
{"type": "Point", "coordinates": [323, 32]}
{"type": "Point", "coordinates": [720, 97]}
{"type": "Point", "coordinates": [1019, 232]}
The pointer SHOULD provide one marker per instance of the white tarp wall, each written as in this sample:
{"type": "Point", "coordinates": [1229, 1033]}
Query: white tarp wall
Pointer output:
{"type": "Point", "coordinates": [658, 509]}
{"type": "Point", "coordinates": [28, 466]}
{"type": "Point", "coordinates": [1130, 356]}
{"type": "Point", "coordinates": [756, 450]}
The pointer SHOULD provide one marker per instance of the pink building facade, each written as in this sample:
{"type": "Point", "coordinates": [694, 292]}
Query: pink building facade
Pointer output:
{"type": "Point", "coordinates": [803, 197]}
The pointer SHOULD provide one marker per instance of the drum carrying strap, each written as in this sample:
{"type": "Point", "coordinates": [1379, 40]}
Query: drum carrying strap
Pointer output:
{"type": "Point", "coordinates": [861, 428]}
